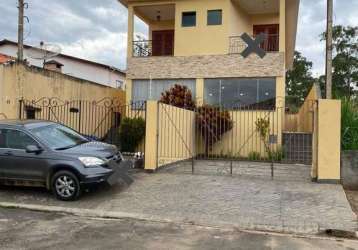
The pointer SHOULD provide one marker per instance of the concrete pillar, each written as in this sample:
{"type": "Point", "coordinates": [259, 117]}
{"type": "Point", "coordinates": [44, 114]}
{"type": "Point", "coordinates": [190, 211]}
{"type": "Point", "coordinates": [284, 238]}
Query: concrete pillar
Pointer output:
{"type": "Point", "coordinates": [282, 26]}
{"type": "Point", "coordinates": [329, 141]}
{"type": "Point", "coordinates": [130, 32]}
{"type": "Point", "coordinates": [199, 91]}
{"type": "Point", "coordinates": [129, 84]}
{"type": "Point", "coordinates": [151, 136]}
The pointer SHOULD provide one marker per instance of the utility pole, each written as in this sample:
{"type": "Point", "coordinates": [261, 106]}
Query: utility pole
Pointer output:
{"type": "Point", "coordinates": [329, 49]}
{"type": "Point", "coordinates": [20, 32]}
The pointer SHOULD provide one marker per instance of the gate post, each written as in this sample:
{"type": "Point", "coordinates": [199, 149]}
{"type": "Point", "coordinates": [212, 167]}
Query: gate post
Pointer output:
{"type": "Point", "coordinates": [20, 108]}
{"type": "Point", "coordinates": [151, 136]}
{"type": "Point", "coordinates": [328, 141]}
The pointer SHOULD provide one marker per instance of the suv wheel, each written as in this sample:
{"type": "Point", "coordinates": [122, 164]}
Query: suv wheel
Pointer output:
{"type": "Point", "coordinates": [65, 186]}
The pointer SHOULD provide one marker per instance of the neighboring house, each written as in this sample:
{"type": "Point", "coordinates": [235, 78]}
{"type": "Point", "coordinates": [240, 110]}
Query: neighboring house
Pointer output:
{"type": "Point", "coordinates": [73, 66]}
{"type": "Point", "coordinates": [198, 43]}
{"type": "Point", "coordinates": [5, 58]}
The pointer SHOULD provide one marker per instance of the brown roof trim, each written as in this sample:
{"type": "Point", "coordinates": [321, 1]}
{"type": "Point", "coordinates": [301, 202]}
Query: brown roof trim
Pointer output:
{"type": "Point", "coordinates": [5, 41]}
{"type": "Point", "coordinates": [54, 62]}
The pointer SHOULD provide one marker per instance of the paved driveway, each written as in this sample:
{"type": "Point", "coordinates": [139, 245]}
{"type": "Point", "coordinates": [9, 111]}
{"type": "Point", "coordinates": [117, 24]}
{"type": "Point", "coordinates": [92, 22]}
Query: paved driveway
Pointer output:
{"type": "Point", "coordinates": [243, 202]}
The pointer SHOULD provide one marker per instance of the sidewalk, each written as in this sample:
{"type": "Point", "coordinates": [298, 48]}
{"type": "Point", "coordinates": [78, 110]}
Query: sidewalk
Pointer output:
{"type": "Point", "coordinates": [244, 203]}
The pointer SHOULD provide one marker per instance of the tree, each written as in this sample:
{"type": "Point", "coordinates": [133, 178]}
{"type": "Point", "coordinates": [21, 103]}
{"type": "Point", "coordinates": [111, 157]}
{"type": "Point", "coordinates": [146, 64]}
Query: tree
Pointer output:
{"type": "Point", "coordinates": [345, 61]}
{"type": "Point", "coordinates": [299, 79]}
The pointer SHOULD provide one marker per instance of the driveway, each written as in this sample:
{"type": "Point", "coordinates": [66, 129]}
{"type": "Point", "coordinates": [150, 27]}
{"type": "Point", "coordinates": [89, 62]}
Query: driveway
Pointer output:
{"type": "Point", "coordinates": [240, 201]}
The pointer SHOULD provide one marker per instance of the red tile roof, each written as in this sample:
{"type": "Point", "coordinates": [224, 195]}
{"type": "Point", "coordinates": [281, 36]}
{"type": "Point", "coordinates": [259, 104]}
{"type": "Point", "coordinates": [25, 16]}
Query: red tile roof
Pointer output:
{"type": "Point", "coordinates": [5, 58]}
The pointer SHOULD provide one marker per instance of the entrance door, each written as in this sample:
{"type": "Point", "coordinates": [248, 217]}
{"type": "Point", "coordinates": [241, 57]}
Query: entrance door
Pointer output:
{"type": "Point", "coordinates": [163, 43]}
{"type": "Point", "coordinates": [272, 32]}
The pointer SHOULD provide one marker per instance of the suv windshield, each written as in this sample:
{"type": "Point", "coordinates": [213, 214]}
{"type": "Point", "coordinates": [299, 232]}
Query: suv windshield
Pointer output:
{"type": "Point", "coordinates": [59, 137]}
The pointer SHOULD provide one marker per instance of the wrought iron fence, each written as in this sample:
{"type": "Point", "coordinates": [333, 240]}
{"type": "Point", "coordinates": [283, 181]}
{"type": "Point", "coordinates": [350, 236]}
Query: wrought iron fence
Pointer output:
{"type": "Point", "coordinates": [142, 48]}
{"type": "Point", "coordinates": [270, 44]}
{"type": "Point", "coordinates": [97, 120]}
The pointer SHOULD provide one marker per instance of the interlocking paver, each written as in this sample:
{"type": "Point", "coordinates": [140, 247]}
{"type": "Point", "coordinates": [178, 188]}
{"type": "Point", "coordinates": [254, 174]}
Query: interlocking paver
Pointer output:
{"type": "Point", "coordinates": [246, 202]}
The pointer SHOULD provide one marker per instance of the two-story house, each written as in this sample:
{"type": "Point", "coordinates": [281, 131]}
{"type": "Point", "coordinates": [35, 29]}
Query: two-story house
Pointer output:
{"type": "Point", "coordinates": [198, 43]}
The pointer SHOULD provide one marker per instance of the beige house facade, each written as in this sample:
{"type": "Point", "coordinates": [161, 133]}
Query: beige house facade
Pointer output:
{"type": "Point", "coordinates": [198, 43]}
{"type": "Point", "coordinates": [233, 55]}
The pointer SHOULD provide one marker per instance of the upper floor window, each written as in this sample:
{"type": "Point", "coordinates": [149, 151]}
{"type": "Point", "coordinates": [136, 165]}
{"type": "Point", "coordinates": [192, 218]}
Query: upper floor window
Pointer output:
{"type": "Point", "coordinates": [188, 19]}
{"type": "Point", "coordinates": [214, 17]}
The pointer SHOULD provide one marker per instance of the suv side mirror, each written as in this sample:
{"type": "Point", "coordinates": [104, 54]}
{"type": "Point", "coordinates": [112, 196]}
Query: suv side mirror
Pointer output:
{"type": "Point", "coordinates": [33, 149]}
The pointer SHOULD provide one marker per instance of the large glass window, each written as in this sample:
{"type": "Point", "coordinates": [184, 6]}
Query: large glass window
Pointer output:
{"type": "Point", "coordinates": [188, 19]}
{"type": "Point", "coordinates": [143, 90]}
{"type": "Point", "coordinates": [255, 93]}
{"type": "Point", "coordinates": [214, 17]}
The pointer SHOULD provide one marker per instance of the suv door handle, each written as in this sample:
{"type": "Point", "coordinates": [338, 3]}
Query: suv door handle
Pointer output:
{"type": "Point", "coordinates": [8, 153]}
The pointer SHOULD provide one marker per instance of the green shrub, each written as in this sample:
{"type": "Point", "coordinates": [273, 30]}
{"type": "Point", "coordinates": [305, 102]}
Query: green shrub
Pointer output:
{"type": "Point", "coordinates": [349, 121]}
{"type": "Point", "coordinates": [131, 133]}
{"type": "Point", "coordinates": [212, 123]}
{"type": "Point", "coordinates": [254, 156]}
{"type": "Point", "coordinates": [179, 96]}
{"type": "Point", "coordinates": [276, 155]}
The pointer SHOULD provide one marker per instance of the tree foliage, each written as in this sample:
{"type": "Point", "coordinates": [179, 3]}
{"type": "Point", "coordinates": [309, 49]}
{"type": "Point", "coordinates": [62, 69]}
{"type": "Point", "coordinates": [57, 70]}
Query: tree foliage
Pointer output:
{"type": "Point", "coordinates": [345, 61]}
{"type": "Point", "coordinates": [299, 79]}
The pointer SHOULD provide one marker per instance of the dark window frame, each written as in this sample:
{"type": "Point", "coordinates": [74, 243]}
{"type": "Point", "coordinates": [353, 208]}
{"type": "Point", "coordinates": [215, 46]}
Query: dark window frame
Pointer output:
{"type": "Point", "coordinates": [188, 13]}
{"type": "Point", "coordinates": [220, 19]}
{"type": "Point", "coordinates": [35, 142]}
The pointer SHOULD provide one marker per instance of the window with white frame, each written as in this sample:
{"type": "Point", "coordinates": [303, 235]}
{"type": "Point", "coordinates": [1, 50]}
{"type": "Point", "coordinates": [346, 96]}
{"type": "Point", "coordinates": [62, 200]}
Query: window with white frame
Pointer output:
{"type": "Point", "coordinates": [255, 93]}
{"type": "Point", "coordinates": [143, 90]}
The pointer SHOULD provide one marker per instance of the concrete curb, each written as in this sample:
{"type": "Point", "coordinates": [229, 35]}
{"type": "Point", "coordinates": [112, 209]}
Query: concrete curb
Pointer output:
{"type": "Point", "coordinates": [299, 229]}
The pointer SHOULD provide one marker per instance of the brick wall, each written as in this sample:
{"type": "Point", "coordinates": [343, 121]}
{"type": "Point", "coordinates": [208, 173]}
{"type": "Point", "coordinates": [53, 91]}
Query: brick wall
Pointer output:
{"type": "Point", "coordinates": [207, 66]}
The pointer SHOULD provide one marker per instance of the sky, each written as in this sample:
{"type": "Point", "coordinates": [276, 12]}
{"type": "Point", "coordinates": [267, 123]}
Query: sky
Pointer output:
{"type": "Point", "coordinates": [97, 30]}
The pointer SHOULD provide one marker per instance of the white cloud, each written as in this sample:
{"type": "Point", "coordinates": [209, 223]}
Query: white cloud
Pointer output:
{"type": "Point", "coordinates": [110, 48]}
{"type": "Point", "coordinates": [312, 23]}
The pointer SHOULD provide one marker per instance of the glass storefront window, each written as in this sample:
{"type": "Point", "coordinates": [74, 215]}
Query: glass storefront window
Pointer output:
{"type": "Point", "coordinates": [143, 90]}
{"type": "Point", "coordinates": [235, 93]}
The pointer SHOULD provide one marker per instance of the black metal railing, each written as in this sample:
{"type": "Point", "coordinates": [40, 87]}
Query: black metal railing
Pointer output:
{"type": "Point", "coordinates": [270, 43]}
{"type": "Point", "coordinates": [142, 48]}
{"type": "Point", "coordinates": [96, 120]}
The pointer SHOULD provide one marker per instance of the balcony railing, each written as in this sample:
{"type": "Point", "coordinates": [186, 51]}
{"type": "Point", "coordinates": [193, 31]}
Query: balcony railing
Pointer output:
{"type": "Point", "coordinates": [142, 48]}
{"type": "Point", "coordinates": [270, 44]}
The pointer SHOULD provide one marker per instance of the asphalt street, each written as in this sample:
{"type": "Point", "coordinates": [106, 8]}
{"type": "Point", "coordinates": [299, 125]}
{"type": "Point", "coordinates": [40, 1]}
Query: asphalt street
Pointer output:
{"type": "Point", "coordinates": [24, 229]}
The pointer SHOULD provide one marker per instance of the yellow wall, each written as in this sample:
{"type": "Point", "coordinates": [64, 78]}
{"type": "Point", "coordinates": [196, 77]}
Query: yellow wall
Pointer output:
{"type": "Point", "coordinates": [18, 81]}
{"type": "Point", "coordinates": [259, 19]}
{"type": "Point", "coordinates": [199, 40]}
{"type": "Point", "coordinates": [243, 138]}
{"type": "Point", "coordinates": [303, 120]}
{"type": "Point", "coordinates": [202, 39]}
{"type": "Point", "coordinates": [170, 134]}
{"type": "Point", "coordinates": [239, 21]}
{"type": "Point", "coordinates": [328, 140]}
{"type": "Point", "coordinates": [176, 139]}
{"type": "Point", "coordinates": [151, 139]}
